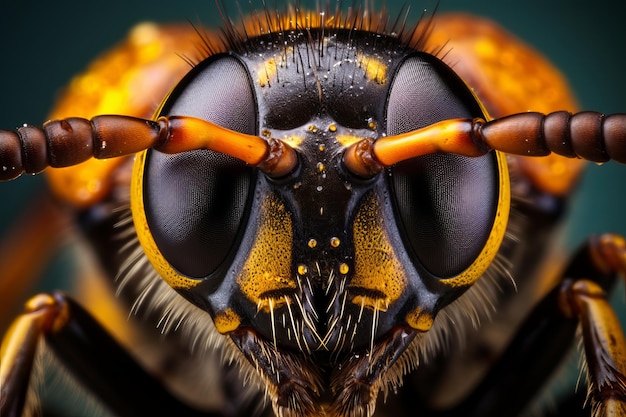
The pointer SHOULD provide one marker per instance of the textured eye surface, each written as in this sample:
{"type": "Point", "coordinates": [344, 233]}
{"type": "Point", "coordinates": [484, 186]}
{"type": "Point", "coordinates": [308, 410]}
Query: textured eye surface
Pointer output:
{"type": "Point", "coordinates": [196, 202]}
{"type": "Point", "coordinates": [445, 203]}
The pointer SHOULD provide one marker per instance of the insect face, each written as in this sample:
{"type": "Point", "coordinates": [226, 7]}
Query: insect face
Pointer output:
{"type": "Point", "coordinates": [327, 281]}
{"type": "Point", "coordinates": [320, 266]}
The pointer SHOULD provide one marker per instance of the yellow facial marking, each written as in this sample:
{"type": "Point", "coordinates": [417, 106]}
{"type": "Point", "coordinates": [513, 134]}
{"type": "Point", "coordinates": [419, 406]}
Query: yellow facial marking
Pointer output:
{"type": "Point", "coordinates": [347, 140]}
{"type": "Point", "coordinates": [482, 262]}
{"type": "Point", "coordinates": [266, 72]}
{"type": "Point", "coordinates": [375, 69]}
{"type": "Point", "coordinates": [227, 321]}
{"type": "Point", "coordinates": [378, 304]}
{"type": "Point", "coordinates": [419, 320]}
{"type": "Point", "coordinates": [162, 267]}
{"type": "Point", "coordinates": [293, 141]}
{"type": "Point", "coordinates": [378, 274]}
{"type": "Point", "coordinates": [264, 277]}
{"type": "Point", "coordinates": [335, 242]}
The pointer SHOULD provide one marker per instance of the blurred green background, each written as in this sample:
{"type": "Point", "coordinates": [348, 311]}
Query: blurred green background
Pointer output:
{"type": "Point", "coordinates": [43, 44]}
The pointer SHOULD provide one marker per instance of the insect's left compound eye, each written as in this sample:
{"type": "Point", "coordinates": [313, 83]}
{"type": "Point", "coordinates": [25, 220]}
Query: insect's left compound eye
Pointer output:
{"type": "Point", "coordinates": [196, 202]}
{"type": "Point", "coordinates": [446, 203]}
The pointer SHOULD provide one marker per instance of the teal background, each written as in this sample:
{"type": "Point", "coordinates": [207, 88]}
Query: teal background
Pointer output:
{"type": "Point", "coordinates": [43, 44]}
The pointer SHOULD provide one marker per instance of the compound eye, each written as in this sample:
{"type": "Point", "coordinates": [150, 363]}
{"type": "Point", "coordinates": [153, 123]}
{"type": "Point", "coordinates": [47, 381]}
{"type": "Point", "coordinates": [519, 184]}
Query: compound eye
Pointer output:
{"type": "Point", "coordinates": [196, 202]}
{"type": "Point", "coordinates": [445, 203]}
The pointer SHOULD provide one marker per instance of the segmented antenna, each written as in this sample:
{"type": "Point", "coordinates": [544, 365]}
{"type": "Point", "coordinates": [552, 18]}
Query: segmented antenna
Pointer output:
{"type": "Point", "coordinates": [62, 143]}
{"type": "Point", "coordinates": [587, 135]}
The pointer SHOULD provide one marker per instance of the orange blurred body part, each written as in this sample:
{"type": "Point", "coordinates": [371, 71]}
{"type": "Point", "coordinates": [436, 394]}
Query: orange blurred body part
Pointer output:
{"type": "Point", "coordinates": [132, 79]}
{"type": "Point", "coordinates": [509, 77]}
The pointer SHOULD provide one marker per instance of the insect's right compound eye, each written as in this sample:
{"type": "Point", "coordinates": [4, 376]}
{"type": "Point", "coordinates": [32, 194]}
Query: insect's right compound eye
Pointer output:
{"type": "Point", "coordinates": [446, 203]}
{"type": "Point", "coordinates": [196, 202]}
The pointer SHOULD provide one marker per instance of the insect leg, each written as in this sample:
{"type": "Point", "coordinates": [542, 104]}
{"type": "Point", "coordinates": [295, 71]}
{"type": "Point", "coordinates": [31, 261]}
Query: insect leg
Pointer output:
{"type": "Point", "coordinates": [603, 338]}
{"type": "Point", "coordinates": [25, 250]}
{"type": "Point", "coordinates": [86, 350]}
{"type": "Point", "coordinates": [539, 345]}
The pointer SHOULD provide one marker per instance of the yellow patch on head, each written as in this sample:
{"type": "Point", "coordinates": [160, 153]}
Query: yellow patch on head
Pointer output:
{"type": "Point", "coordinates": [379, 276]}
{"type": "Point", "coordinates": [266, 72]}
{"type": "Point", "coordinates": [226, 321]}
{"type": "Point", "coordinates": [419, 320]}
{"type": "Point", "coordinates": [375, 69]}
{"type": "Point", "coordinates": [267, 271]}
{"type": "Point", "coordinates": [347, 140]}
{"type": "Point", "coordinates": [293, 141]}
